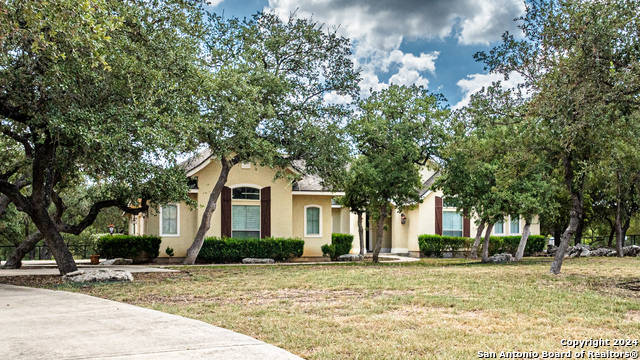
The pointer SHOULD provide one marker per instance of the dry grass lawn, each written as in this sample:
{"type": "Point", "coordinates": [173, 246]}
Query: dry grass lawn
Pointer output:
{"type": "Point", "coordinates": [432, 309]}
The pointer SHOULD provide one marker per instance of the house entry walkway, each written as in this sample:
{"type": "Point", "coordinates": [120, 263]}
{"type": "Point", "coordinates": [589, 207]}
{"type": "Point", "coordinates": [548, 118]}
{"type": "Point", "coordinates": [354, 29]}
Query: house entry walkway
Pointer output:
{"type": "Point", "coordinates": [47, 324]}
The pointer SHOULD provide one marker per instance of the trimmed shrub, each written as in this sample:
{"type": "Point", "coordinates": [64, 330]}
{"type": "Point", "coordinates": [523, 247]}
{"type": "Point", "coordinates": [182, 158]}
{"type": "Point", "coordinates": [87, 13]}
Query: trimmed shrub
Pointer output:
{"type": "Point", "coordinates": [340, 244]}
{"type": "Point", "coordinates": [231, 250]}
{"type": "Point", "coordinates": [509, 244]}
{"type": "Point", "coordinates": [436, 244]}
{"type": "Point", "coordinates": [329, 250]}
{"type": "Point", "coordinates": [141, 249]}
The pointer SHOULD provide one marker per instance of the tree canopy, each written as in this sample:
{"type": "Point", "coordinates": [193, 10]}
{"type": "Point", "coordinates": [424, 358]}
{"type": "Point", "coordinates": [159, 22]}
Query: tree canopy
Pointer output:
{"type": "Point", "coordinates": [95, 91]}
{"type": "Point", "coordinates": [267, 84]}
{"type": "Point", "coordinates": [580, 63]}
{"type": "Point", "coordinates": [396, 133]}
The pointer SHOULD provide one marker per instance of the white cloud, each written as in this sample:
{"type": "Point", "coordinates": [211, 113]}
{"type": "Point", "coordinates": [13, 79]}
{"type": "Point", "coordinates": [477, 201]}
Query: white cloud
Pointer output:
{"type": "Point", "coordinates": [408, 77]}
{"type": "Point", "coordinates": [475, 82]}
{"type": "Point", "coordinates": [214, 3]}
{"type": "Point", "coordinates": [490, 22]}
{"type": "Point", "coordinates": [424, 62]}
{"type": "Point", "coordinates": [377, 28]}
{"type": "Point", "coordinates": [382, 25]}
{"type": "Point", "coordinates": [335, 98]}
{"type": "Point", "coordinates": [370, 82]}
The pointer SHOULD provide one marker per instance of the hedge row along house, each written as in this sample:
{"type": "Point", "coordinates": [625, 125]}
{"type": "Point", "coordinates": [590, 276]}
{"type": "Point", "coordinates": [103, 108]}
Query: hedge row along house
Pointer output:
{"type": "Point", "coordinates": [254, 205]}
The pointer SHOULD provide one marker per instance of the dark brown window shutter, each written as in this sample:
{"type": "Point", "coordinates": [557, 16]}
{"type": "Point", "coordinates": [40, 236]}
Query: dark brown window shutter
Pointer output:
{"type": "Point", "coordinates": [466, 225]}
{"type": "Point", "coordinates": [265, 212]}
{"type": "Point", "coordinates": [438, 215]}
{"type": "Point", "coordinates": [225, 212]}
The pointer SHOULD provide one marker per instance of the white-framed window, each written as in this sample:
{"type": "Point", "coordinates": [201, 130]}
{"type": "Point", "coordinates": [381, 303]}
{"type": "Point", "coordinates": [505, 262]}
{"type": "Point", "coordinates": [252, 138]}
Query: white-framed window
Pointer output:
{"type": "Point", "coordinates": [451, 223]}
{"type": "Point", "coordinates": [313, 221]}
{"type": "Point", "coordinates": [514, 226]}
{"type": "Point", "coordinates": [170, 220]}
{"type": "Point", "coordinates": [498, 228]}
{"type": "Point", "coordinates": [245, 193]}
{"type": "Point", "coordinates": [245, 221]}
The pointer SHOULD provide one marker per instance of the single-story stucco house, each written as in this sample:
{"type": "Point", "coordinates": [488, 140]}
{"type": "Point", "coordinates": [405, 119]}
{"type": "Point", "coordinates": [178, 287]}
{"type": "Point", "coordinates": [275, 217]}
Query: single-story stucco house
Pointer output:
{"type": "Point", "coordinates": [253, 204]}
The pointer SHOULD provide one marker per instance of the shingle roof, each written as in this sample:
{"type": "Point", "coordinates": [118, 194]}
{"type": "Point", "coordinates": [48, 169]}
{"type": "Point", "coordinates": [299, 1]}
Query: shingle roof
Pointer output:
{"type": "Point", "coordinates": [195, 161]}
{"type": "Point", "coordinates": [309, 183]}
{"type": "Point", "coordinates": [426, 186]}
{"type": "Point", "coordinates": [306, 183]}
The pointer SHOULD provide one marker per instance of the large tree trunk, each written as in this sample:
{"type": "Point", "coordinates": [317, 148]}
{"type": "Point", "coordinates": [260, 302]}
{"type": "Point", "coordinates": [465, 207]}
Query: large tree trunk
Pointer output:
{"type": "Point", "coordinates": [55, 242]}
{"type": "Point", "coordinates": [619, 232]}
{"type": "Point", "coordinates": [379, 232]}
{"type": "Point", "coordinates": [576, 214]}
{"type": "Point", "coordinates": [577, 239]}
{"type": "Point", "coordinates": [523, 240]}
{"type": "Point", "coordinates": [612, 233]}
{"type": "Point", "coordinates": [205, 224]}
{"type": "Point", "coordinates": [361, 233]}
{"type": "Point", "coordinates": [485, 245]}
{"type": "Point", "coordinates": [476, 243]}
{"type": "Point", "coordinates": [15, 259]}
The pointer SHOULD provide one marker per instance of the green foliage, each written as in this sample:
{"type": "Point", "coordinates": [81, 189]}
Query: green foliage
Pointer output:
{"type": "Point", "coordinates": [353, 182]}
{"type": "Point", "coordinates": [340, 244]}
{"type": "Point", "coordinates": [169, 251]}
{"type": "Point", "coordinates": [509, 244]}
{"type": "Point", "coordinates": [436, 244]}
{"type": "Point", "coordinates": [343, 243]}
{"type": "Point", "coordinates": [142, 249]}
{"type": "Point", "coordinates": [329, 250]}
{"type": "Point", "coordinates": [231, 250]}
{"type": "Point", "coordinates": [116, 83]}
{"type": "Point", "coordinates": [282, 71]}
{"type": "Point", "coordinates": [398, 131]}
{"type": "Point", "coordinates": [570, 48]}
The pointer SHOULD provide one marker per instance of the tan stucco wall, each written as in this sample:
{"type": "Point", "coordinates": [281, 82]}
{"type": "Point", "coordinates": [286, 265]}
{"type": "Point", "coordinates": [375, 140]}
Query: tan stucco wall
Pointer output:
{"type": "Point", "coordinates": [312, 244]}
{"type": "Point", "coordinates": [281, 205]}
{"type": "Point", "coordinates": [336, 217]}
{"type": "Point", "coordinates": [281, 201]}
{"type": "Point", "coordinates": [405, 235]}
{"type": "Point", "coordinates": [188, 228]}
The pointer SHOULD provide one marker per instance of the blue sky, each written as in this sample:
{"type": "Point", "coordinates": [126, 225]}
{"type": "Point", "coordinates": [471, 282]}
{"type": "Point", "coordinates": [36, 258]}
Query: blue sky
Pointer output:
{"type": "Point", "coordinates": [424, 42]}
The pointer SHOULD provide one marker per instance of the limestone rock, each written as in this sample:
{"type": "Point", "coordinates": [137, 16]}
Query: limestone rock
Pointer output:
{"type": "Point", "coordinates": [631, 250]}
{"type": "Point", "coordinates": [579, 250]}
{"type": "Point", "coordinates": [99, 275]}
{"type": "Point", "coordinates": [350, 257]}
{"type": "Point", "coordinates": [600, 252]}
{"type": "Point", "coordinates": [117, 261]}
{"type": "Point", "coordinates": [500, 258]}
{"type": "Point", "coordinates": [257, 261]}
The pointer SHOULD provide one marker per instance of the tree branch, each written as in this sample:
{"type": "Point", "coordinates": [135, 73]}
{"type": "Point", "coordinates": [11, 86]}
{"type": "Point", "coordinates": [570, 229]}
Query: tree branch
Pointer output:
{"type": "Point", "coordinates": [28, 149]}
{"type": "Point", "coordinates": [90, 218]}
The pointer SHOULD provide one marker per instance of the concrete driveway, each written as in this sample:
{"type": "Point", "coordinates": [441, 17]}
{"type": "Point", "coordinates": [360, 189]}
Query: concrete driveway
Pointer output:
{"type": "Point", "coordinates": [46, 324]}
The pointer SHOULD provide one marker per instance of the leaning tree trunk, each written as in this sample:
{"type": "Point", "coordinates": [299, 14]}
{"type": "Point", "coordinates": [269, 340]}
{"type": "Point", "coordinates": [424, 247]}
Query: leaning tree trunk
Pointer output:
{"type": "Point", "coordinates": [15, 259]}
{"type": "Point", "coordinates": [379, 233]}
{"type": "Point", "coordinates": [54, 240]}
{"type": "Point", "coordinates": [576, 213]}
{"type": "Point", "coordinates": [361, 233]}
{"type": "Point", "coordinates": [526, 231]}
{"type": "Point", "coordinates": [476, 243]}
{"type": "Point", "coordinates": [485, 245]}
{"type": "Point", "coordinates": [612, 234]}
{"type": "Point", "coordinates": [205, 224]}
{"type": "Point", "coordinates": [577, 238]}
